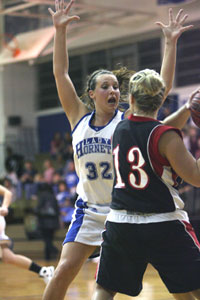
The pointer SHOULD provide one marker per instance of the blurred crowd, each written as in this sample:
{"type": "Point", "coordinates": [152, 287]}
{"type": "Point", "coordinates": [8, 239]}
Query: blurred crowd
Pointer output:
{"type": "Point", "coordinates": [57, 170]}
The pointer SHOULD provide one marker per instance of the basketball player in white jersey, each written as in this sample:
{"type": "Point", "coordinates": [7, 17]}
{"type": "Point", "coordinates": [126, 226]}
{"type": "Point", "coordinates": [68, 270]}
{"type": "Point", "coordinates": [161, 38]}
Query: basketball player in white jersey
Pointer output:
{"type": "Point", "coordinates": [6, 254]}
{"type": "Point", "coordinates": [91, 137]}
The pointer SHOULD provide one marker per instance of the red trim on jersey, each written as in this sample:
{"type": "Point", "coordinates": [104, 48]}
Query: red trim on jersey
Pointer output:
{"type": "Point", "coordinates": [189, 229]}
{"type": "Point", "coordinates": [157, 160]}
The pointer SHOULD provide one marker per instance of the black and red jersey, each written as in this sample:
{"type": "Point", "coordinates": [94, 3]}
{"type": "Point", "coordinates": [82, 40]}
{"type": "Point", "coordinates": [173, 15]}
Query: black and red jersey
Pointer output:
{"type": "Point", "coordinates": [144, 180]}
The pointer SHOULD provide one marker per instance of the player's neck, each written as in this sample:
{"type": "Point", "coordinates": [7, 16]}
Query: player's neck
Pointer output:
{"type": "Point", "coordinates": [146, 115]}
{"type": "Point", "coordinates": [101, 119]}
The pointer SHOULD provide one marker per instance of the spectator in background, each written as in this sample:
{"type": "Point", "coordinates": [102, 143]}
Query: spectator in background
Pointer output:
{"type": "Point", "coordinates": [63, 193]}
{"type": "Point", "coordinates": [66, 212]}
{"type": "Point", "coordinates": [56, 145]}
{"type": "Point", "coordinates": [71, 177]}
{"type": "Point", "coordinates": [67, 145]}
{"type": "Point", "coordinates": [60, 164]}
{"type": "Point", "coordinates": [48, 171]}
{"type": "Point", "coordinates": [14, 162]}
{"type": "Point", "coordinates": [27, 179]}
{"type": "Point", "coordinates": [67, 140]}
{"type": "Point", "coordinates": [56, 180]}
{"type": "Point", "coordinates": [65, 202]}
{"type": "Point", "coordinates": [38, 180]}
{"type": "Point", "coordinates": [68, 153]}
{"type": "Point", "coordinates": [48, 218]}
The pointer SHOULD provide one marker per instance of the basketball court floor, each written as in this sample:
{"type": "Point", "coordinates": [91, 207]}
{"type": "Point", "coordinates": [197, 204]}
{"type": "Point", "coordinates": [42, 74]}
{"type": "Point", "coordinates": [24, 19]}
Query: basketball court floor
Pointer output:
{"type": "Point", "coordinates": [19, 284]}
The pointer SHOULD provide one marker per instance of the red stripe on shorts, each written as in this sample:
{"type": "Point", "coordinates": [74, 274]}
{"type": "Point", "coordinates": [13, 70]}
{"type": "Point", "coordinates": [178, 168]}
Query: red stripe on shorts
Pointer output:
{"type": "Point", "coordinates": [190, 231]}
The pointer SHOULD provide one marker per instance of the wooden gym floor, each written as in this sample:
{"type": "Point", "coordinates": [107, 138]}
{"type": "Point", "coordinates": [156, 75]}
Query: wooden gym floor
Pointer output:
{"type": "Point", "coordinates": [19, 284]}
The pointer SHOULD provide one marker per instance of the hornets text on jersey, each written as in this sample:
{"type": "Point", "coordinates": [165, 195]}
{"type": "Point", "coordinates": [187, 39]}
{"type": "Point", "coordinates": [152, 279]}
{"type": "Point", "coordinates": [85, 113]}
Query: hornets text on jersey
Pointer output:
{"type": "Point", "coordinates": [93, 159]}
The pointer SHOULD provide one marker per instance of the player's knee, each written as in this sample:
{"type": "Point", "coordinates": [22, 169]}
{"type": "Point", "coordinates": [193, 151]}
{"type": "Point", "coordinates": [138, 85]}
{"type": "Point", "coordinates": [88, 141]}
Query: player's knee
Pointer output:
{"type": "Point", "coordinates": [7, 259]}
{"type": "Point", "coordinates": [64, 268]}
{"type": "Point", "coordinates": [105, 293]}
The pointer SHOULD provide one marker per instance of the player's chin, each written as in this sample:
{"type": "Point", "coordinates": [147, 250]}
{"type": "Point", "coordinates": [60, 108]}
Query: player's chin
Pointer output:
{"type": "Point", "coordinates": [113, 104]}
{"type": "Point", "coordinates": [111, 108]}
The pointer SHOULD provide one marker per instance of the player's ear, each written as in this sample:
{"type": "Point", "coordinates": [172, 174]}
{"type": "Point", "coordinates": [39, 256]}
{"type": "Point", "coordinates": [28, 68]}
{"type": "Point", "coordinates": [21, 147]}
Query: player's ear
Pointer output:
{"type": "Point", "coordinates": [91, 94]}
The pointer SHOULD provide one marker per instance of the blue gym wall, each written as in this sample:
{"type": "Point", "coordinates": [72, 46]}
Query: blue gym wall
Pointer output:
{"type": "Point", "coordinates": [49, 124]}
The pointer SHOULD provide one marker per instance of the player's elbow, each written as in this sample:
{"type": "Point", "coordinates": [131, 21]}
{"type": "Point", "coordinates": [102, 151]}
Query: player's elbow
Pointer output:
{"type": "Point", "coordinates": [59, 71]}
{"type": "Point", "coordinates": [168, 87]}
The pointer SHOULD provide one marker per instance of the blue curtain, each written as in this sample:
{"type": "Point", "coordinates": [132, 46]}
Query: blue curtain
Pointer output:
{"type": "Point", "coordinates": [47, 126]}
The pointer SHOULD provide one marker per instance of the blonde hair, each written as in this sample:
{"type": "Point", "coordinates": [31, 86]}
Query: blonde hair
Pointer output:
{"type": "Point", "coordinates": [147, 87]}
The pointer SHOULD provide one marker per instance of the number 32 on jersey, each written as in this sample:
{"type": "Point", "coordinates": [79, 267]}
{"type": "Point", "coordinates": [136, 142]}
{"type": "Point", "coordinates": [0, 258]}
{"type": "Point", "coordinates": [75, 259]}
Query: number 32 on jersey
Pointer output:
{"type": "Point", "coordinates": [135, 159]}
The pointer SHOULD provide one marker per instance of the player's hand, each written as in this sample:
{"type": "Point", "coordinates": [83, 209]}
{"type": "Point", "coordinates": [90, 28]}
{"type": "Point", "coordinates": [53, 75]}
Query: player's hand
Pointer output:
{"type": "Point", "coordinates": [194, 93]}
{"type": "Point", "coordinates": [175, 28]}
{"type": "Point", "coordinates": [3, 211]}
{"type": "Point", "coordinates": [61, 16]}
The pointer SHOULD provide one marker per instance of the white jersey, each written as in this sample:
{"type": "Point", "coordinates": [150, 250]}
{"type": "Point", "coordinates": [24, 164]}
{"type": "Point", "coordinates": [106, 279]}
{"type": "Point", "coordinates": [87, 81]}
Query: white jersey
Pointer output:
{"type": "Point", "coordinates": [93, 159]}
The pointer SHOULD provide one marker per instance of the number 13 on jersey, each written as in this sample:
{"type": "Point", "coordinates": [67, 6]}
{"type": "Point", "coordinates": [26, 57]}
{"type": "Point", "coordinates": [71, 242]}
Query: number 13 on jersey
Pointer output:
{"type": "Point", "coordinates": [136, 161]}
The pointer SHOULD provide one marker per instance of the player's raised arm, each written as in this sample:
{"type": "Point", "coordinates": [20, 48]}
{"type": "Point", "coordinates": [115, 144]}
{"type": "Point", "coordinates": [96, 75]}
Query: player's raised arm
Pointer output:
{"type": "Point", "coordinates": [69, 99]}
{"type": "Point", "coordinates": [172, 31]}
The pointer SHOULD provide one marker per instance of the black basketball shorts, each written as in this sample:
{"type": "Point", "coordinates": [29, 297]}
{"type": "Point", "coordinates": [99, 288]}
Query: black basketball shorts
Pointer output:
{"type": "Point", "coordinates": [170, 247]}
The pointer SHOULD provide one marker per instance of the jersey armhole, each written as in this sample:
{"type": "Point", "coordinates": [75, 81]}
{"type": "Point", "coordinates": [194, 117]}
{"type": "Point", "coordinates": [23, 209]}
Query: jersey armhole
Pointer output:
{"type": "Point", "coordinates": [154, 141]}
{"type": "Point", "coordinates": [79, 122]}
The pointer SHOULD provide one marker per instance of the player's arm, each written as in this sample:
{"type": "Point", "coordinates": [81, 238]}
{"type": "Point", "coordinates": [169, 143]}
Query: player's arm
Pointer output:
{"type": "Point", "coordinates": [179, 118]}
{"type": "Point", "coordinates": [7, 197]}
{"type": "Point", "coordinates": [69, 99]}
{"type": "Point", "coordinates": [171, 32]}
{"type": "Point", "coordinates": [171, 146]}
